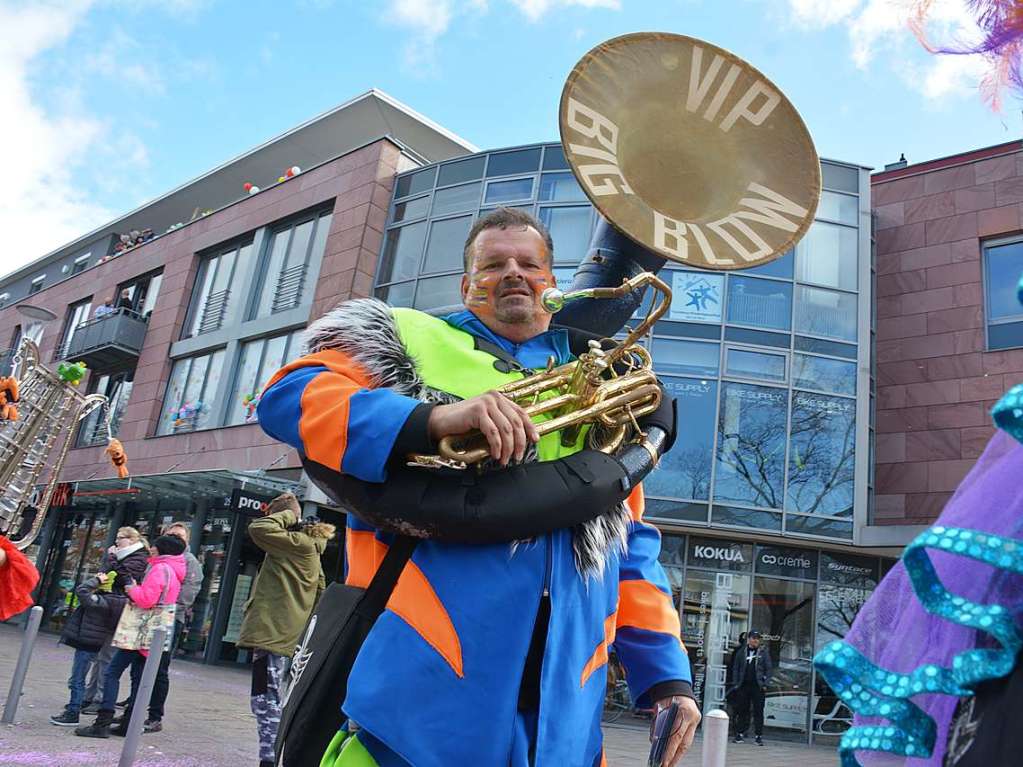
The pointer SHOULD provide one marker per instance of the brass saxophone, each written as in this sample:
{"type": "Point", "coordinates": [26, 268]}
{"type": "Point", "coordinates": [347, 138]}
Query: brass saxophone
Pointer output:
{"type": "Point", "coordinates": [611, 385]}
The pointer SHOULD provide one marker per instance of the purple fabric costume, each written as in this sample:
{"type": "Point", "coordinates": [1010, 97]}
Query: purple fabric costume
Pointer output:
{"type": "Point", "coordinates": [895, 632]}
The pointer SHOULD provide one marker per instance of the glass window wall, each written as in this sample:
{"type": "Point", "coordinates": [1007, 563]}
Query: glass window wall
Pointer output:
{"type": "Point", "coordinates": [570, 231]}
{"type": "Point", "coordinates": [823, 374]}
{"type": "Point", "coordinates": [760, 303]}
{"type": "Point", "coordinates": [1003, 264]}
{"type": "Point", "coordinates": [291, 250]}
{"type": "Point", "coordinates": [514, 190]}
{"type": "Point", "coordinates": [438, 292]}
{"type": "Point", "coordinates": [402, 250]}
{"type": "Point", "coordinates": [77, 313]}
{"type": "Point", "coordinates": [258, 361]}
{"type": "Point", "coordinates": [461, 170]}
{"type": "Point", "coordinates": [411, 209]}
{"type": "Point", "coordinates": [213, 304]}
{"type": "Point", "coordinates": [684, 471]}
{"type": "Point", "coordinates": [821, 455]}
{"type": "Point", "coordinates": [560, 187]}
{"type": "Point", "coordinates": [783, 611]}
{"type": "Point", "coordinates": [825, 313]}
{"type": "Point", "coordinates": [117, 389]}
{"type": "Point", "coordinates": [445, 244]}
{"type": "Point", "coordinates": [844, 208]}
{"type": "Point", "coordinates": [510, 163]}
{"type": "Point", "coordinates": [827, 255]}
{"type": "Point", "coordinates": [750, 465]}
{"type": "Point", "coordinates": [193, 383]}
{"type": "Point", "coordinates": [676, 356]}
{"type": "Point", "coordinates": [456, 199]}
{"type": "Point", "coordinates": [744, 363]}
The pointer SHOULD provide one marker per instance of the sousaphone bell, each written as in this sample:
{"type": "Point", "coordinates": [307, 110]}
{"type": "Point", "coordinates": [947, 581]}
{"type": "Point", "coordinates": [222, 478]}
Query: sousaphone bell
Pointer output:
{"type": "Point", "coordinates": [690, 154]}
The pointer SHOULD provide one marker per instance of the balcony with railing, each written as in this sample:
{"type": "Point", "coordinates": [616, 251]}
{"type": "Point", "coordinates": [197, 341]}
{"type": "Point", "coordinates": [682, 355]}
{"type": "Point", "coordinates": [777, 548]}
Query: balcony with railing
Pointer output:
{"type": "Point", "coordinates": [109, 341]}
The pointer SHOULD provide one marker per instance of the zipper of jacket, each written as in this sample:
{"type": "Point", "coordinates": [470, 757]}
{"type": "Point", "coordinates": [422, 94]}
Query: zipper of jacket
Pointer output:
{"type": "Point", "coordinates": [548, 566]}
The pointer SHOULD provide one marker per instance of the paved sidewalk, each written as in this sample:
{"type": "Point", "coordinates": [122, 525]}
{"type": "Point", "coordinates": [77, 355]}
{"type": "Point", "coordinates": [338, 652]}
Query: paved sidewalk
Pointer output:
{"type": "Point", "coordinates": [208, 723]}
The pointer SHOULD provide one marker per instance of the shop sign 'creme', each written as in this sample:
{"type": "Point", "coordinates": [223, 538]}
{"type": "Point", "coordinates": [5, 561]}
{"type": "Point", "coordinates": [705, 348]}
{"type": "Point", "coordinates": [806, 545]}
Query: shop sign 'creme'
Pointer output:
{"type": "Point", "coordinates": [689, 150]}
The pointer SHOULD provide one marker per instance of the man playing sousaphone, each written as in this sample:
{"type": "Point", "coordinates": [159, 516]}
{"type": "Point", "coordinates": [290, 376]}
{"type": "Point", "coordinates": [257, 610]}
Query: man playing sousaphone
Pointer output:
{"type": "Point", "coordinates": [493, 653]}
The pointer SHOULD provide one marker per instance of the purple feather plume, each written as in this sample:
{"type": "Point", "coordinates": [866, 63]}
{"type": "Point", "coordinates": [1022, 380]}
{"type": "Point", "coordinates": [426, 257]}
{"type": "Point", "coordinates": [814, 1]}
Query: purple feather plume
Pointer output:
{"type": "Point", "coordinates": [1001, 22]}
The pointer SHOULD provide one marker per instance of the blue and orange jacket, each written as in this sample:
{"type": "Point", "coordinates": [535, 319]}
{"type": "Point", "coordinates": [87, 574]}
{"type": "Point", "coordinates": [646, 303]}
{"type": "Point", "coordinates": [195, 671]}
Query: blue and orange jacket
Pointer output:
{"type": "Point", "coordinates": [453, 642]}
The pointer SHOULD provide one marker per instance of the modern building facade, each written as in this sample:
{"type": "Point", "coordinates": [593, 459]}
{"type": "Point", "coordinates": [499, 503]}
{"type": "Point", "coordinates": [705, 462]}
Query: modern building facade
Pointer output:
{"type": "Point", "coordinates": [949, 323]}
{"type": "Point", "coordinates": [765, 504]}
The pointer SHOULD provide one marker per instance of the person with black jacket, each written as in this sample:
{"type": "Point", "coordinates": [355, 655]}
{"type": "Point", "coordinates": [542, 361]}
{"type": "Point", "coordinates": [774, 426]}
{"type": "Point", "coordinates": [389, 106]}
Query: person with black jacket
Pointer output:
{"type": "Point", "coordinates": [128, 559]}
{"type": "Point", "coordinates": [87, 630]}
{"type": "Point", "coordinates": [751, 670]}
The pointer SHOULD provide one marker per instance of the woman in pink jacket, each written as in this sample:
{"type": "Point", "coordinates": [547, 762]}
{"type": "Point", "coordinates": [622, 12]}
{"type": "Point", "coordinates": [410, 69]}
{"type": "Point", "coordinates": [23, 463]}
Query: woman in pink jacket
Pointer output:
{"type": "Point", "coordinates": [167, 570]}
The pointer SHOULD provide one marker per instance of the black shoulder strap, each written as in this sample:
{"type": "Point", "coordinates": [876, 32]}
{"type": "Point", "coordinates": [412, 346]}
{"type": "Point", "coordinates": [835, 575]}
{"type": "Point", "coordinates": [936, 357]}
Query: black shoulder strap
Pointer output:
{"type": "Point", "coordinates": [380, 588]}
{"type": "Point", "coordinates": [505, 362]}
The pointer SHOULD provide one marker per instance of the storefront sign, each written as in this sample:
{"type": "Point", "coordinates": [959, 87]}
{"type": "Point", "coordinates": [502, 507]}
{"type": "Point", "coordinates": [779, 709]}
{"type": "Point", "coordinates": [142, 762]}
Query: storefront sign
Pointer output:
{"type": "Point", "coordinates": [787, 562]}
{"type": "Point", "coordinates": [716, 554]}
{"type": "Point", "coordinates": [248, 503]}
{"type": "Point", "coordinates": [696, 297]}
{"type": "Point", "coordinates": [787, 711]}
{"type": "Point", "coordinates": [849, 569]}
{"type": "Point", "coordinates": [62, 495]}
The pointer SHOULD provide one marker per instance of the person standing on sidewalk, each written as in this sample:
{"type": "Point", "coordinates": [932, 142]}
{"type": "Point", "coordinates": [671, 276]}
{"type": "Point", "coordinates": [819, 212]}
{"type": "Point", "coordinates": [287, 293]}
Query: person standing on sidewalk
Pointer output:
{"type": "Point", "coordinates": [751, 671]}
{"type": "Point", "coordinates": [186, 597]}
{"type": "Point", "coordinates": [88, 629]}
{"type": "Point", "coordinates": [731, 686]}
{"type": "Point", "coordinates": [128, 558]}
{"type": "Point", "coordinates": [160, 586]}
{"type": "Point", "coordinates": [283, 597]}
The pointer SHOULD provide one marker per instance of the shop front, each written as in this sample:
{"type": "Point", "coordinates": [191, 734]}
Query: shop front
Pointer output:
{"type": "Point", "coordinates": [798, 598]}
{"type": "Point", "coordinates": [217, 506]}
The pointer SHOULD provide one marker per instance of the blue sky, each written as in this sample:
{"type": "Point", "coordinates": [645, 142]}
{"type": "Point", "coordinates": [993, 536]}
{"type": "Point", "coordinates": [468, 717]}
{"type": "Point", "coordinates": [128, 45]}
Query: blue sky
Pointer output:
{"type": "Point", "coordinates": [109, 103]}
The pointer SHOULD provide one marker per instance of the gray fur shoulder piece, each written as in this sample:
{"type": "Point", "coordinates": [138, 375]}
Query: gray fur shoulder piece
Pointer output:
{"type": "Point", "coordinates": [364, 329]}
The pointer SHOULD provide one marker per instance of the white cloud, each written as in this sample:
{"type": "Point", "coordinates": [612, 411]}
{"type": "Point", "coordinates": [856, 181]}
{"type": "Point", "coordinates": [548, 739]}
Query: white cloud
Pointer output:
{"type": "Point", "coordinates": [428, 20]}
{"type": "Point", "coordinates": [534, 10]}
{"type": "Point", "coordinates": [40, 206]}
{"type": "Point", "coordinates": [429, 17]}
{"type": "Point", "coordinates": [880, 29]}
{"type": "Point", "coordinates": [822, 13]}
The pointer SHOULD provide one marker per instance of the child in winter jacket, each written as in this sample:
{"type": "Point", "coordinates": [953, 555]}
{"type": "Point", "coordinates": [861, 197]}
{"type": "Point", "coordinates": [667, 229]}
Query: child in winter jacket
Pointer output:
{"type": "Point", "coordinates": [128, 558]}
{"type": "Point", "coordinates": [88, 628]}
{"type": "Point", "coordinates": [160, 586]}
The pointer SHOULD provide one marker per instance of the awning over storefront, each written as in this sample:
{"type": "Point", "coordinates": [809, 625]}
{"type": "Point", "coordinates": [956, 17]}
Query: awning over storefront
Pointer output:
{"type": "Point", "coordinates": [172, 489]}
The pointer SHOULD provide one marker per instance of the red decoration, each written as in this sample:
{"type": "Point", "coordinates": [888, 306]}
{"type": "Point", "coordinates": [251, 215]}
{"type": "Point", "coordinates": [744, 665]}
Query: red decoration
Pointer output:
{"type": "Point", "coordinates": [18, 577]}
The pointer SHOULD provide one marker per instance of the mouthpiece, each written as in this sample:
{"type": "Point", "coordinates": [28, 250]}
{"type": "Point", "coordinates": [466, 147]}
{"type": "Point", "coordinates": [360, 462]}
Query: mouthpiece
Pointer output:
{"type": "Point", "coordinates": [552, 300]}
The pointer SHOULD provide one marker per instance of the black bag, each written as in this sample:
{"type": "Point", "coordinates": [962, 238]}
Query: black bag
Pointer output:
{"type": "Point", "coordinates": [343, 618]}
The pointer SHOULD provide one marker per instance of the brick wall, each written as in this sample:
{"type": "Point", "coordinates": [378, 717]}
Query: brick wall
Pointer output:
{"type": "Point", "coordinates": [360, 184]}
{"type": "Point", "coordinates": [936, 383]}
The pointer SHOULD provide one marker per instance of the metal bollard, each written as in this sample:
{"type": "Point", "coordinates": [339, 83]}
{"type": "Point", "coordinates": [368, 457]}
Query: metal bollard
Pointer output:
{"type": "Point", "coordinates": [715, 738]}
{"type": "Point", "coordinates": [142, 695]}
{"type": "Point", "coordinates": [35, 617]}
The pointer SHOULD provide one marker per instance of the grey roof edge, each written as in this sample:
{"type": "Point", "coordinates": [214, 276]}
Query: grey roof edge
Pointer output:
{"type": "Point", "coordinates": [373, 93]}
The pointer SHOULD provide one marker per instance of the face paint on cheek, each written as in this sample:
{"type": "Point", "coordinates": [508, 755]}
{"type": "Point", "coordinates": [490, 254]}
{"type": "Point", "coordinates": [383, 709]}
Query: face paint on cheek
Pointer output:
{"type": "Point", "coordinates": [538, 284]}
{"type": "Point", "coordinates": [479, 291]}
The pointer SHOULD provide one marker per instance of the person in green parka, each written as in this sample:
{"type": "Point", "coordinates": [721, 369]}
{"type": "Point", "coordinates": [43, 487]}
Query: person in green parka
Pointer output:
{"type": "Point", "coordinates": [287, 587]}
